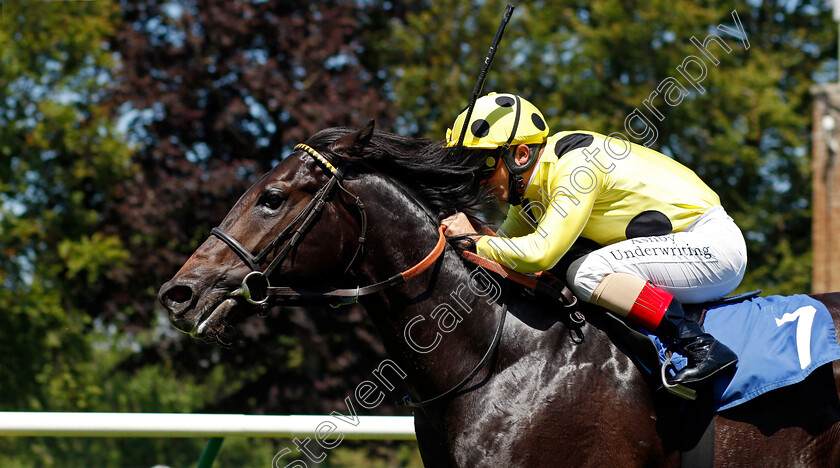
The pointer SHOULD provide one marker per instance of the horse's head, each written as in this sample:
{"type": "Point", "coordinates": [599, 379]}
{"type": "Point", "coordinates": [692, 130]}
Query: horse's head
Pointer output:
{"type": "Point", "coordinates": [283, 230]}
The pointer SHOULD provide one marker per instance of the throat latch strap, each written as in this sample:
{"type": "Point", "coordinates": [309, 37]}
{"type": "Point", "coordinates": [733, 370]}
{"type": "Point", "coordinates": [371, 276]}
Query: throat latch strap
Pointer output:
{"type": "Point", "coordinates": [354, 293]}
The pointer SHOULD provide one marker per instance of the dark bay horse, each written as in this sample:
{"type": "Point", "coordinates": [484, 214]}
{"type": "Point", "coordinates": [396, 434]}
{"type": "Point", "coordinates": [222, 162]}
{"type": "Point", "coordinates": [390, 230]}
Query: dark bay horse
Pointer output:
{"type": "Point", "coordinates": [548, 396]}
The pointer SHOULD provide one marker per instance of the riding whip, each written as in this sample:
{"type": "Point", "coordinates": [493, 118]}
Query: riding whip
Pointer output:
{"type": "Point", "coordinates": [483, 75]}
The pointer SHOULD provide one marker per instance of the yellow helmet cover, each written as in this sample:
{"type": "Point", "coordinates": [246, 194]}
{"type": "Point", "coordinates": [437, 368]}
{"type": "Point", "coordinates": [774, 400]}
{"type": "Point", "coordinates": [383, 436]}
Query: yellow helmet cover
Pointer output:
{"type": "Point", "coordinates": [500, 120]}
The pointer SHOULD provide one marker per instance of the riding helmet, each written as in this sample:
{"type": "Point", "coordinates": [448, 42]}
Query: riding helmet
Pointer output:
{"type": "Point", "coordinates": [500, 120]}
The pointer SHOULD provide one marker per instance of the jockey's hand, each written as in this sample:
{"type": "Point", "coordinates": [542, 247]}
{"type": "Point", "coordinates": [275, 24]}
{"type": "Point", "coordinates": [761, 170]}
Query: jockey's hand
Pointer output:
{"type": "Point", "coordinates": [458, 224]}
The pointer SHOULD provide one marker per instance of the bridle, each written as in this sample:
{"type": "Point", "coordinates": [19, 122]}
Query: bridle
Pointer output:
{"type": "Point", "coordinates": [255, 287]}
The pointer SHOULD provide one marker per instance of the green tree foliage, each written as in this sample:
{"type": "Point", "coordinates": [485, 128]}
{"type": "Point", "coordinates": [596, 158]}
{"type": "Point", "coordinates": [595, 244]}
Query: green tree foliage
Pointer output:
{"type": "Point", "coordinates": [216, 93]}
{"type": "Point", "coordinates": [62, 163]}
{"type": "Point", "coordinates": [588, 65]}
{"type": "Point", "coordinates": [59, 160]}
{"type": "Point", "coordinates": [209, 95]}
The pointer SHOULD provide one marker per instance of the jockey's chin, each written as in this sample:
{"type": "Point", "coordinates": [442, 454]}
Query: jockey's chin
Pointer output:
{"type": "Point", "coordinates": [500, 192]}
{"type": "Point", "coordinates": [498, 186]}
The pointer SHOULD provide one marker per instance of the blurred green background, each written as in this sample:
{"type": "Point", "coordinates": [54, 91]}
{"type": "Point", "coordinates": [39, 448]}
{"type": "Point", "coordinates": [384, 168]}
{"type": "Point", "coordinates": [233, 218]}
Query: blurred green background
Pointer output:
{"type": "Point", "coordinates": [128, 128]}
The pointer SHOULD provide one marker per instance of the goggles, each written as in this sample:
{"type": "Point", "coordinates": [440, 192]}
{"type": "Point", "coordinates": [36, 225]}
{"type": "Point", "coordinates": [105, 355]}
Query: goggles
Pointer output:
{"type": "Point", "coordinates": [490, 165]}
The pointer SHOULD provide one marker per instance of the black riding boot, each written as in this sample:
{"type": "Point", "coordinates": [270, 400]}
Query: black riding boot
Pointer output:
{"type": "Point", "coordinates": [706, 355]}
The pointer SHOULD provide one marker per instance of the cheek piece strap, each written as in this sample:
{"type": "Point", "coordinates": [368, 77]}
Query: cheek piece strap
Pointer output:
{"type": "Point", "coordinates": [516, 189]}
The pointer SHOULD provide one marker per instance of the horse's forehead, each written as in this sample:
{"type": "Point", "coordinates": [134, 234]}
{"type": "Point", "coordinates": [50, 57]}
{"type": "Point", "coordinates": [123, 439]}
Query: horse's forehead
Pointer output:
{"type": "Point", "coordinates": [293, 168]}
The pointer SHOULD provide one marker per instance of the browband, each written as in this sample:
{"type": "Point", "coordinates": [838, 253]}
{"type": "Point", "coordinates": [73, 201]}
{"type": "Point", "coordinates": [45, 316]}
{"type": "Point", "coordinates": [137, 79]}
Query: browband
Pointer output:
{"type": "Point", "coordinates": [317, 156]}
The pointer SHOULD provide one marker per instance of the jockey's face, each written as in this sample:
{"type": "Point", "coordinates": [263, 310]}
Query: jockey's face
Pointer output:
{"type": "Point", "coordinates": [498, 183]}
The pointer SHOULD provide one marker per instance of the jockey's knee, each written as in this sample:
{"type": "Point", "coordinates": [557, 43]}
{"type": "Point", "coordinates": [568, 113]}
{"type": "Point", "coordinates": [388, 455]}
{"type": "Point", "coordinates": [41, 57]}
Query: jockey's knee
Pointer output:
{"type": "Point", "coordinates": [586, 273]}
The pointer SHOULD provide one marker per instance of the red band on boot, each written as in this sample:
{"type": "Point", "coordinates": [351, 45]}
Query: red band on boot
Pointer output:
{"type": "Point", "coordinates": [650, 306]}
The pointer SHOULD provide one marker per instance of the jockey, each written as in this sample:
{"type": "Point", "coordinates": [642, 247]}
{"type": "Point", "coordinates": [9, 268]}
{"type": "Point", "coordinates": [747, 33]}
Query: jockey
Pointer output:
{"type": "Point", "coordinates": [664, 237]}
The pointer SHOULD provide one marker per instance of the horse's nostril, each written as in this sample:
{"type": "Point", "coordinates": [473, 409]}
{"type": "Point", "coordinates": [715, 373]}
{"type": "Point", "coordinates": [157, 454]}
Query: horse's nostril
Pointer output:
{"type": "Point", "coordinates": [178, 295]}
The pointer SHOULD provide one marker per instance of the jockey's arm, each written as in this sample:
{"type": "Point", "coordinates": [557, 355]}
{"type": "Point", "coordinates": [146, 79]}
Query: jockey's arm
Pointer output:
{"type": "Point", "coordinates": [515, 224]}
{"type": "Point", "coordinates": [558, 228]}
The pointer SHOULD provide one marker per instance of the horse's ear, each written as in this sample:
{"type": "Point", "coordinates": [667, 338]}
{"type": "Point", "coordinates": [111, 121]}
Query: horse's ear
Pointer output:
{"type": "Point", "coordinates": [353, 144]}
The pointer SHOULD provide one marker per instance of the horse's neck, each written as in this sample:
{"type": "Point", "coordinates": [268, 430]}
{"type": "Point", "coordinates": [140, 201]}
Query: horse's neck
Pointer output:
{"type": "Point", "coordinates": [439, 325]}
{"type": "Point", "coordinates": [420, 320]}
{"type": "Point", "coordinates": [435, 326]}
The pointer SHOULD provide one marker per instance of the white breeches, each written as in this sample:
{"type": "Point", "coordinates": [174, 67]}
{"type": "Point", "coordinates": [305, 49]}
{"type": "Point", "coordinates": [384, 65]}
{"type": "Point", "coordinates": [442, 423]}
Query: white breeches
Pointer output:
{"type": "Point", "coordinates": [705, 261]}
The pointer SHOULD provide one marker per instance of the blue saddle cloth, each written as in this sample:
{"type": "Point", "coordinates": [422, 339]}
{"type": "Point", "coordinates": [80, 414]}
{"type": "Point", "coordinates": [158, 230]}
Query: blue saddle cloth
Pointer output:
{"type": "Point", "coordinates": [779, 340]}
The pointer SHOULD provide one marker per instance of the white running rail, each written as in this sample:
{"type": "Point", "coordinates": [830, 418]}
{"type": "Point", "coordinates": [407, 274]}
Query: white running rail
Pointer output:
{"type": "Point", "coordinates": [47, 424]}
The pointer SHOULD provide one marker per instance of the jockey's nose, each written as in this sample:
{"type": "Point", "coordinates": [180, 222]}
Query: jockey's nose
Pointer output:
{"type": "Point", "coordinates": [176, 297]}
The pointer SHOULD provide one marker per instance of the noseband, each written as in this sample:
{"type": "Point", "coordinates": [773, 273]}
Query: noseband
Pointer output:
{"type": "Point", "coordinates": [255, 287]}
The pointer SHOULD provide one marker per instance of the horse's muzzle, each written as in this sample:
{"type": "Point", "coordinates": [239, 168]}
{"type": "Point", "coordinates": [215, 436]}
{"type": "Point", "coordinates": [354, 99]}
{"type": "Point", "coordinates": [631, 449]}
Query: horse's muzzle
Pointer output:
{"type": "Point", "coordinates": [179, 299]}
{"type": "Point", "coordinates": [202, 314]}
{"type": "Point", "coordinates": [176, 297]}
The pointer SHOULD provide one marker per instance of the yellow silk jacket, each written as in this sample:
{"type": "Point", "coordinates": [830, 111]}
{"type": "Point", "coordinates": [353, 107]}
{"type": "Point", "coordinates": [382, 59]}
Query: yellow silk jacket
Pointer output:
{"type": "Point", "coordinates": [600, 188]}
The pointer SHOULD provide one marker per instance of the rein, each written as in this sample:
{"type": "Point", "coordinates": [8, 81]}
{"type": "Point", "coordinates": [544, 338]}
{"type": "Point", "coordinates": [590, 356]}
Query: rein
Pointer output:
{"type": "Point", "coordinates": [354, 293]}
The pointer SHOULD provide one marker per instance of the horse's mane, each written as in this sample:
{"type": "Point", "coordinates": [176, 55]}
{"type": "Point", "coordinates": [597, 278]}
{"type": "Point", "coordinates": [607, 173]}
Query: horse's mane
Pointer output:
{"type": "Point", "coordinates": [444, 183]}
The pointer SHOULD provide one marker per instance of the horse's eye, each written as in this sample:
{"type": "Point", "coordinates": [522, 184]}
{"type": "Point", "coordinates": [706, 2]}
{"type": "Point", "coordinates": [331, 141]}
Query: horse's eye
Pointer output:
{"type": "Point", "coordinates": [273, 200]}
